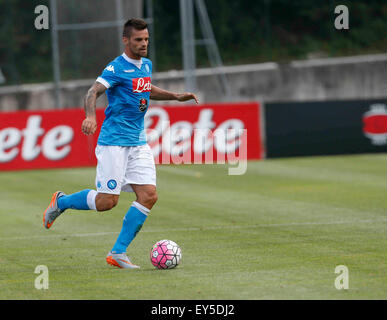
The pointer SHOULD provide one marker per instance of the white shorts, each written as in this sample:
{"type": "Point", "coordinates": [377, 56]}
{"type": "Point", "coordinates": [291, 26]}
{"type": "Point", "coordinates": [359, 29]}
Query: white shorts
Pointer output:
{"type": "Point", "coordinates": [119, 167]}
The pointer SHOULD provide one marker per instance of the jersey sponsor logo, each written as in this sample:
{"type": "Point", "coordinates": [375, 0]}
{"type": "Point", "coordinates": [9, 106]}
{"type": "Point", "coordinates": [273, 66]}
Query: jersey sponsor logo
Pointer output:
{"type": "Point", "coordinates": [143, 105]}
{"type": "Point", "coordinates": [110, 68]}
{"type": "Point", "coordinates": [142, 84]}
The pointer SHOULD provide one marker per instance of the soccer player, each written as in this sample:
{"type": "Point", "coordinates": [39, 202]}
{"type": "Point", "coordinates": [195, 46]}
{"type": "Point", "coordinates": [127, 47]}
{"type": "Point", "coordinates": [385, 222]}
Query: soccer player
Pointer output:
{"type": "Point", "coordinates": [125, 161]}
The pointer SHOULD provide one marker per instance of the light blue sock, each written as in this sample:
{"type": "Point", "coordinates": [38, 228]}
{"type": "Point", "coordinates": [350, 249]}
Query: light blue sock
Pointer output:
{"type": "Point", "coordinates": [133, 221]}
{"type": "Point", "coordinates": [77, 201]}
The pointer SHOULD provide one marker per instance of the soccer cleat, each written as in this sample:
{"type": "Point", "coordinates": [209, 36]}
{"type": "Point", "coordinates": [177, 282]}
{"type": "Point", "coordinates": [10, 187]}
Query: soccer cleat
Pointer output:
{"type": "Point", "coordinates": [120, 260]}
{"type": "Point", "coordinates": [52, 212]}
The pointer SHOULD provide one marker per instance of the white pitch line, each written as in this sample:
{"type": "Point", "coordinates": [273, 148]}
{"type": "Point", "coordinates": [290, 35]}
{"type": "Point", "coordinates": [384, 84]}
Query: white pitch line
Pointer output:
{"type": "Point", "coordinates": [271, 225]}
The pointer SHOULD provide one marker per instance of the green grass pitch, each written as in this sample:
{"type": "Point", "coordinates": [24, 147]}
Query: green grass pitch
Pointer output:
{"type": "Point", "coordinates": [276, 232]}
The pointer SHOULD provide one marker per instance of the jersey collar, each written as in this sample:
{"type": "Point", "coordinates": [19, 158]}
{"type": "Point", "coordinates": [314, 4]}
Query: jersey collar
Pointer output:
{"type": "Point", "coordinates": [137, 63]}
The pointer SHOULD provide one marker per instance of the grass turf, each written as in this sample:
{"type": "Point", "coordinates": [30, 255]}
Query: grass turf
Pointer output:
{"type": "Point", "coordinates": [277, 232]}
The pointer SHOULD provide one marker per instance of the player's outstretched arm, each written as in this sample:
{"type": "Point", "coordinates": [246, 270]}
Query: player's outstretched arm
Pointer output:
{"type": "Point", "coordinates": [89, 125]}
{"type": "Point", "coordinates": [160, 94]}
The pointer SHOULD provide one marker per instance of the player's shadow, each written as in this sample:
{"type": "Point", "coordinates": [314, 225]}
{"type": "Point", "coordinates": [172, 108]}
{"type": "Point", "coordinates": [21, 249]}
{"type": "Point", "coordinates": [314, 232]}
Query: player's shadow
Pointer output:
{"type": "Point", "coordinates": [157, 270]}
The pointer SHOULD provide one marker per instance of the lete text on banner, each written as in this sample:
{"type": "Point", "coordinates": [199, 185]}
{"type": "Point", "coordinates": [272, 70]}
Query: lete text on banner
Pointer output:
{"type": "Point", "coordinates": [213, 133]}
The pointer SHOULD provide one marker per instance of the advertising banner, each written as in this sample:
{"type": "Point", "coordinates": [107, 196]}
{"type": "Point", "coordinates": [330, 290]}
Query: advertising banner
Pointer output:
{"type": "Point", "coordinates": [214, 133]}
{"type": "Point", "coordinates": [205, 134]}
{"type": "Point", "coordinates": [325, 128]}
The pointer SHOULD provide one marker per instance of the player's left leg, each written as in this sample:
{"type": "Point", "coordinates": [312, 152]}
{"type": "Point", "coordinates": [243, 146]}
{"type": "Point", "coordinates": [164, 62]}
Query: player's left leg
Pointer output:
{"type": "Point", "coordinates": [136, 216]}
{"type": "Point", "coordinates": [132, 224]}
{"type": "Point", "coordinates": [140, 177]}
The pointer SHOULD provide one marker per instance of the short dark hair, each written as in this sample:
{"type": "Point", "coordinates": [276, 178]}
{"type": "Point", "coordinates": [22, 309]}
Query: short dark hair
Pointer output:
{"type": "Point", "coordinates": [138, 24]}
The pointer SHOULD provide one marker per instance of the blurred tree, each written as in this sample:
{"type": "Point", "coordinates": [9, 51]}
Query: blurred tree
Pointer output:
{"type": "Point", "coordinates": [247, 31]}
{"type": "Point", "coordinates": [25, 53]}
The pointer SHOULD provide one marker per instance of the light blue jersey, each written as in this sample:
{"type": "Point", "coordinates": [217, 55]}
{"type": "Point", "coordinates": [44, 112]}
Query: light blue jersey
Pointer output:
{"type": "Point", "coordinates": [128, 91]}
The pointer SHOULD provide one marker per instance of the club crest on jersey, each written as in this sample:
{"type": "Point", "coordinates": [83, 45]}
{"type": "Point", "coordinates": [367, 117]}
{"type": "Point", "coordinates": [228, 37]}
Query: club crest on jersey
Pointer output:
{"type": "Point", "coordinates": [147, 68]}
{"type": "Point", "coordinates": [112, 184]}
{"type": "Point", "coordinates": [143, 105]}
{"type": "Point", "coordinates": [142, 84]}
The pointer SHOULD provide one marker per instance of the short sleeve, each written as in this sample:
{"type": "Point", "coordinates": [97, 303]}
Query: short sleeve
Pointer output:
{"type": "Point", "coordinates": [109, 77]}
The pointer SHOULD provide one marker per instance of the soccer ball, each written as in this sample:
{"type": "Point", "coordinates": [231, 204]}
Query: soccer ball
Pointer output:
{"type": "Point", "coordinates": [165, 254]}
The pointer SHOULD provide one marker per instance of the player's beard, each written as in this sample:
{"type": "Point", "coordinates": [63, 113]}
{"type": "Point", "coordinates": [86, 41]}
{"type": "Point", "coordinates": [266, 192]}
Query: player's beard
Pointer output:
{"type": "Point", "coordinates": [140, 53]}
{"type": "Point", "coordinates": [143, 53]}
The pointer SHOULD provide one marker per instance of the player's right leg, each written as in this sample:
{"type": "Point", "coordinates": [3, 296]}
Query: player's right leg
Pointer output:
{"type": "Point", "coordinates": [82, 200]}
{"type": "Point", "coordinates": [110, 170]}
{"type": "Point", "coordinates": [52, 212]}
{"type": "Point", "coordinates": [60, 202]}
{"type": "Point", "coordinates": [106, 201]}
